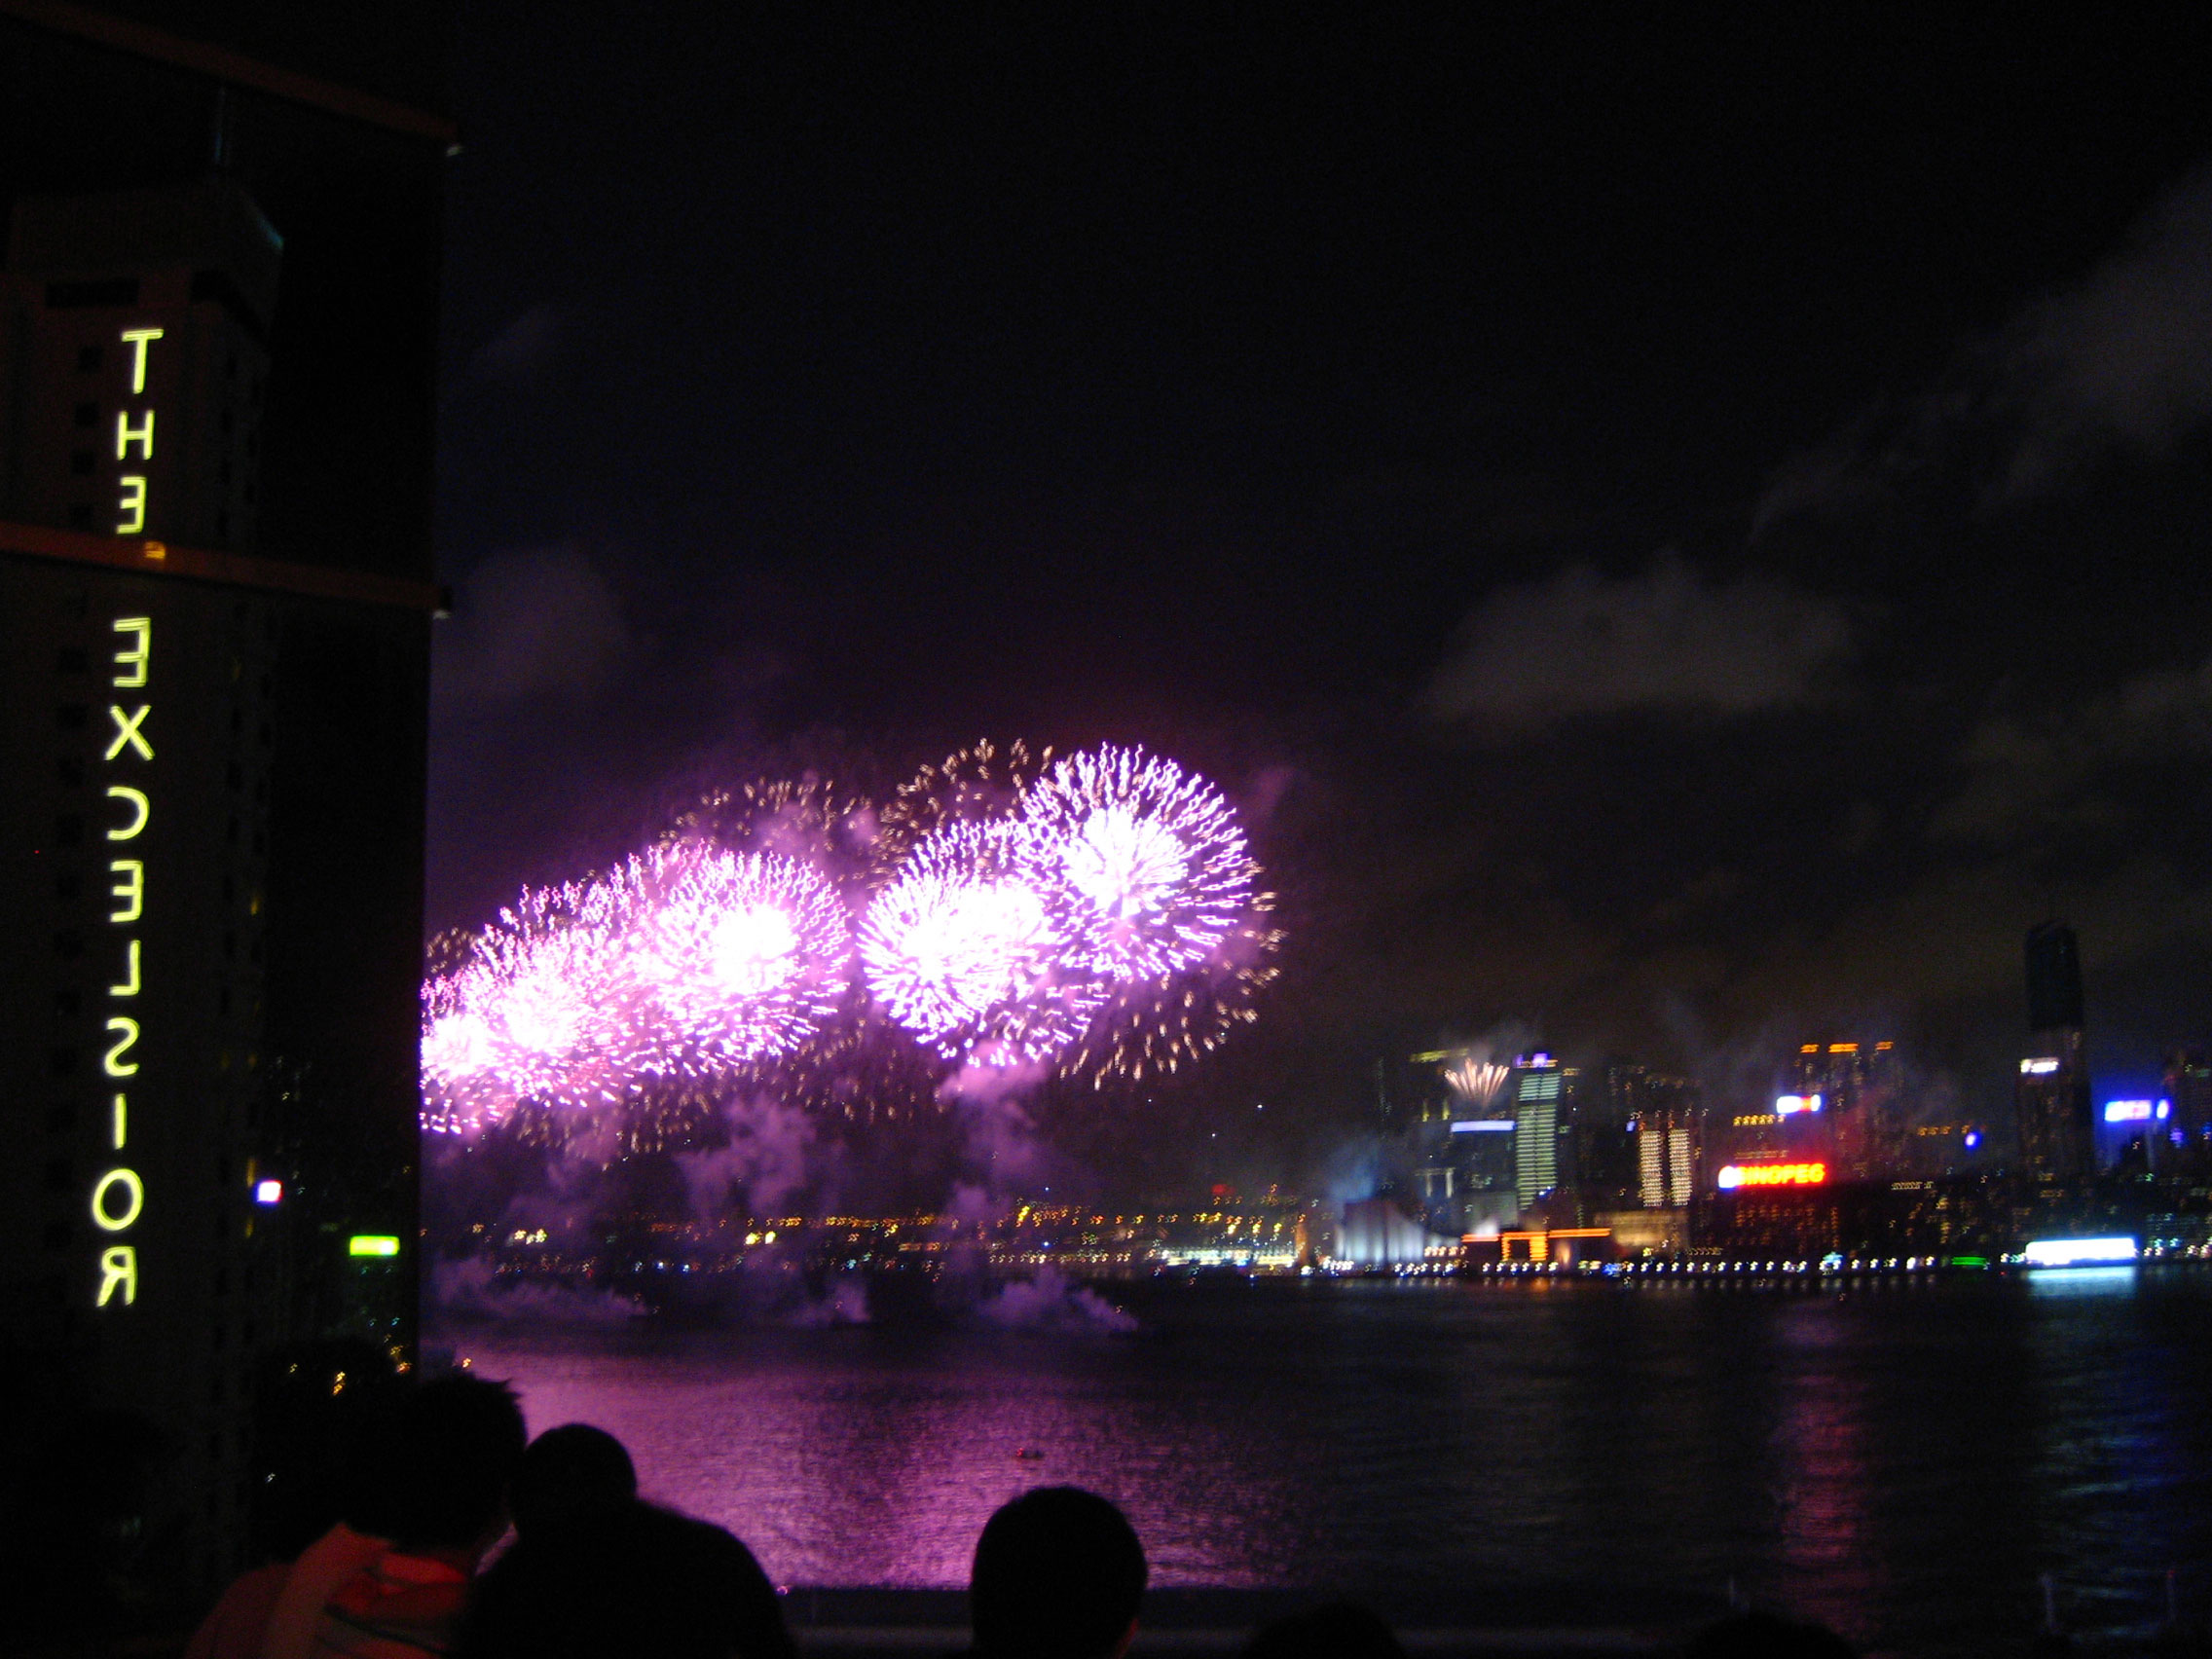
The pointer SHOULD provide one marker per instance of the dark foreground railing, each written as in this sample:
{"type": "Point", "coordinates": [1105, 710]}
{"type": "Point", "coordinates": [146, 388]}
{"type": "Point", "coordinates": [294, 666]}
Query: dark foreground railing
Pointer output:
{"type": "Point", "coordinates": [1530, 1622]}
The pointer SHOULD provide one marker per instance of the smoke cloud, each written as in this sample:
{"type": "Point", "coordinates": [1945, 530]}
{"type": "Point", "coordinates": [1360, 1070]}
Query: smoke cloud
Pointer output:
{"type": "Point", "coordinates": [2117, 366]}
{"type": "Point", "coordinates": [1668, 642]}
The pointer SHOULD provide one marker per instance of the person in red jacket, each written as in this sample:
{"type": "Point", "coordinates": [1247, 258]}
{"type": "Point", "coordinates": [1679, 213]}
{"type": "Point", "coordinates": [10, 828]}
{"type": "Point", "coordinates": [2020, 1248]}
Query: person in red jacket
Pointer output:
{"type": "Point", "coordinates": [457, 1444]}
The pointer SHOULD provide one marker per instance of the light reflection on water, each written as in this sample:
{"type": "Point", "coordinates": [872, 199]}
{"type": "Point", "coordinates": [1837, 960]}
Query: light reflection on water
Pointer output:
{"type": "Point", "coordinates": [1898, 1459]}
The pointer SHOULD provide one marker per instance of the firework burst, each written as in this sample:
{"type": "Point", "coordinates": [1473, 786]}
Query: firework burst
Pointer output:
{"type": "Point", "coordinates": [961, 949]}
{"type": "Point", "coordinates": [737, 955]}
{"type": "Point", "coordinates": [1095, 914]}
{"type": "Point", "coordinates": [1476, 1081]}
{"type": "Point", "coordinates": [541, 1008]}
{"type": "Point", "coordinates": [1145, 861]}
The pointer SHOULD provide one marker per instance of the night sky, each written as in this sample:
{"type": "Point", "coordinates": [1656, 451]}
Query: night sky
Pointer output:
{"type": "Point", "coordinates": [1682, 532]}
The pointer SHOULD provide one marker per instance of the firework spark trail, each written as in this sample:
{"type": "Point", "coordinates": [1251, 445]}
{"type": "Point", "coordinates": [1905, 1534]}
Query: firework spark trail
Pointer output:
{"type": "Point", "coordinates": [811, 819]}
{"type": "Point", "coordinates": [983, 782]}
{"type": "Point", "coordinates": [1156, 1026]}
{"type": "Point", "coordinates": [961, 949]}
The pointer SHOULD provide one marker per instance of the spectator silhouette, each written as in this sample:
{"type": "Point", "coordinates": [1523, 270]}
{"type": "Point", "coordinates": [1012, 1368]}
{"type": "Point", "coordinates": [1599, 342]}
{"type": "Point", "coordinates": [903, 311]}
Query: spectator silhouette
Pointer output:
{"type": "Point", "coordinates": [1768, 1636]}
{"type": "Point", "coordinates": [1059, 1574]}
{"type": "Point", "coordinates": [455, 1443]}
{"type": "Point", "coordinates": [569, 1472]}
{"type": "Point", "coordinates": [625, 1577]}
{"type": "Point", "coordinates": [1342, 1630]}
{"type": "Point", "coordinates": [321, 1415]}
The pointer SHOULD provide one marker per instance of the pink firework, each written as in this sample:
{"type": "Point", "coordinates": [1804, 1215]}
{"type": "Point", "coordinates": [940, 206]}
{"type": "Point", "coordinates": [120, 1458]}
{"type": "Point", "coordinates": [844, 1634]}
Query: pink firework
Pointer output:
{"type": "Point", "coordinates": [540, 1010]}
{"type": "Point", "coordinates": [736, 956]}
{"type": "Point", "coordinates": [1145, 863]}
{"type": "Point", "coordinates": [963, 951]}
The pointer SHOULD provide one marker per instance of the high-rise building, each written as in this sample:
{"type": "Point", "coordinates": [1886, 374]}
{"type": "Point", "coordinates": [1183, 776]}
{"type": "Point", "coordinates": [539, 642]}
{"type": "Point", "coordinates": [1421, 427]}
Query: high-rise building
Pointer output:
{"type": "Point", "coordinates": [216, 392]}
{"type": "Point", "coordinates": [2187, 1078]}
{"type": "Point", "coordinates": [1603, 1125]}
{"type": "Point", "coordinates": [1464, 1144]}
{"type": "Point", "coordinates": [1539, 1088]}
{"type": "Point", "coordinates": [2054, 978]}
{"type": "Point", "coordinates": [2056, 1124]}
{"type": "Point", "coordinates": [1860, 1122]}
{"type": "Point", "coordinates": [1664, 1118]}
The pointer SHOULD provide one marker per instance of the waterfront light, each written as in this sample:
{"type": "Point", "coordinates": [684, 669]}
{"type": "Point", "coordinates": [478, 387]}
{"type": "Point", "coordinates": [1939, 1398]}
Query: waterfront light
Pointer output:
{"type": "Point", "coordinates": [2078, 1252]}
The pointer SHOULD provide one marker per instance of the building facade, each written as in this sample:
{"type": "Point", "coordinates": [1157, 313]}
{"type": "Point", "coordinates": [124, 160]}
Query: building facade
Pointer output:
{"type": "Point", "coordinates": [2185, 1076]}
{"type": "Point", "coordinates": [216, 394]}
{"type": "Point", "coordinates": [1664, 1120]}
{"type": "Point", "coordinates": [1862, 1124]}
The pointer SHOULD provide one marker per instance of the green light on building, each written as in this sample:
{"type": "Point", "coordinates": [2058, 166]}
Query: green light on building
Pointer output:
{"type": "Point", "coordinates": [372, 1244]}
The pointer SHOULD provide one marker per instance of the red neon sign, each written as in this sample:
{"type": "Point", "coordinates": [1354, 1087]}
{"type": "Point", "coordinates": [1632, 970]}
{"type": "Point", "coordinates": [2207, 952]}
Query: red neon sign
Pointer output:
{"type": "Point", "coordinates": [1773, 1174]}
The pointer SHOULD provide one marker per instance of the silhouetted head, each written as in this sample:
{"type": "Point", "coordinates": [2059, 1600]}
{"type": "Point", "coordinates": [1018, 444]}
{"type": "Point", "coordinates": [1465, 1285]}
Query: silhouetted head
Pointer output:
{"type": "Point", "coordinates": [1058, 1576]}
{"type": "Point", "coordinates": [625, 1578]}
{"type": "Point", "coordinates": [1768, 1636]}
{"type": "Point", "coordinates": [1342, 1630]}
{"type": "Point", "coordinates": [568, 1471]}
{"type": "Point", "coordinates": [455, 1443]}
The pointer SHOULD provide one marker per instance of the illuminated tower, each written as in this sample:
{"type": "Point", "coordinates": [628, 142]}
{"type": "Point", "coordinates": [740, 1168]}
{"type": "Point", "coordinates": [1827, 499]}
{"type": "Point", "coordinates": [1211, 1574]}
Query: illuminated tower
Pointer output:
{"type": "Point", "coordinates": [1664, 1123]}
{"type": "Point", "coordinates": [216, 378]}
{"type": "Point", "coordinates": [2052, 1095]}
{"type": "Point", "coordinates": [1534, 1088]}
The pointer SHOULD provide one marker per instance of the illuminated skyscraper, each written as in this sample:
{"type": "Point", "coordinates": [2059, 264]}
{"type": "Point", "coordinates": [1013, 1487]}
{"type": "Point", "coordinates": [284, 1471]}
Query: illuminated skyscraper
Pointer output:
{"type": "Point", "coordinates": [1537, 1088]}
{"type": "Point", "coordinates": [215, 440]}
{"type": "Point", "coordinates": [1861, 1124]}
{"type": "Point", "coordinates": [1664, 1122]}
{"type": "Point", "coordinates": [2057, 1129]}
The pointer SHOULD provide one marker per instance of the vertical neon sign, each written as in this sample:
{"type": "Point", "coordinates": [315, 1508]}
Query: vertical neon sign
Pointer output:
{"type": "Point", "coordinates": [119, 1196]}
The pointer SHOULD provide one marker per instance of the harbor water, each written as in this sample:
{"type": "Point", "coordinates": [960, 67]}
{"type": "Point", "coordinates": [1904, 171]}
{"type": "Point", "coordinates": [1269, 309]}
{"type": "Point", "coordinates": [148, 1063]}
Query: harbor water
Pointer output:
{"type": "Point", "coordinates": [1902, 1458]}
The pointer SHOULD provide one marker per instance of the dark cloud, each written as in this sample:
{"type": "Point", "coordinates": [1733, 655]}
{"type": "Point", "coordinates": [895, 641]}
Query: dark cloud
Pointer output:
{"type": "Point", "coordinates": [2033, 774]}
{"type": "Point", "coordinates": [2118, 365]}
{"type": "Point", "coordinates": [521, 352]}
{"type": "Point", "coordinates": [1667, 643]}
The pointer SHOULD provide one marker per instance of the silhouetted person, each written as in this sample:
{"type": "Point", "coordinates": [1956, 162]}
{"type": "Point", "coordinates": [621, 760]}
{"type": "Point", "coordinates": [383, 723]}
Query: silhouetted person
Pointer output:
{"type": "Point", "coordinates": [625, 1578]}
{"type": "Point", "coordinates": [319, 1409]}
{"type": "Point", "coordinates": [455, 1443]}
{"type": "Point", "coordinates": [570, 1471]}
{"type": "Point", "coordinates": [1342, 1630]}
{"type": "Point", "coordinates": [1059, 1574]}
{"type": "Point", "coordinates": [1768, 1636]}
